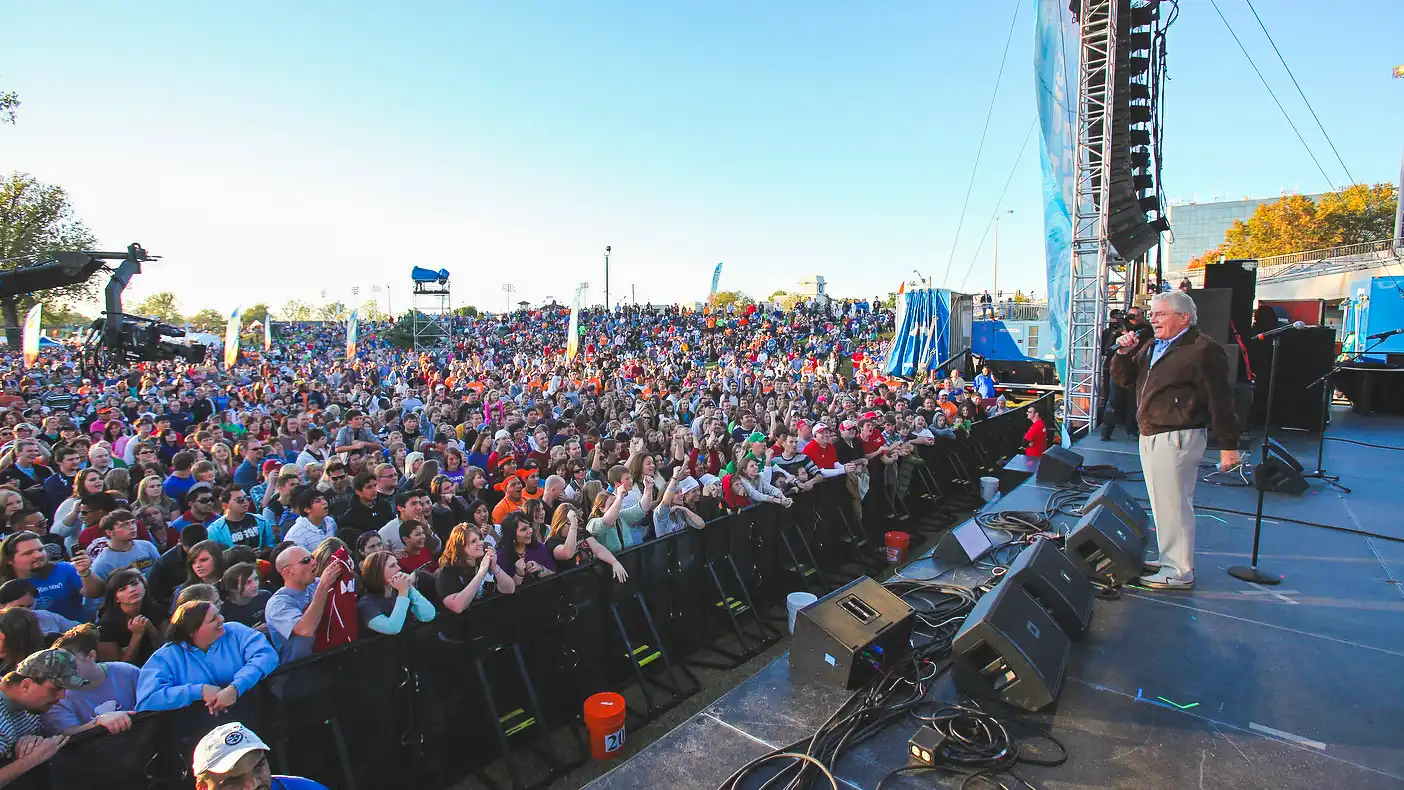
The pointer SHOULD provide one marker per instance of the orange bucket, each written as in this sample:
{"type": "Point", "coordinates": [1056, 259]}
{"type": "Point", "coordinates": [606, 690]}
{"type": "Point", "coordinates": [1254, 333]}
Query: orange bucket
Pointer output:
{"type": "Point", "coordinates": [897, 543]}
{"type": "Point", "coordinates": [604, 719]}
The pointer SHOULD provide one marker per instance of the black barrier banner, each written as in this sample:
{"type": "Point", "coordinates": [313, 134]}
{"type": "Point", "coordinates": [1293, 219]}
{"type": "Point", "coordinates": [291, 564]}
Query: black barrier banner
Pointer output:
{"type": "Point", "coordinates": [451, 696]}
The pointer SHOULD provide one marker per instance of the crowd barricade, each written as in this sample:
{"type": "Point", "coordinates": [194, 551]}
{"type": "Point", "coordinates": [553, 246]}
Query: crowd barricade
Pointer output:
{"type": "Point", "coordinates": [507, 678]}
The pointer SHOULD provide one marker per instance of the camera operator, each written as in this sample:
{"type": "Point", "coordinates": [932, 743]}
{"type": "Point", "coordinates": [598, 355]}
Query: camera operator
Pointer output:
{"type": "Point", "coordinates": [1123, 399]}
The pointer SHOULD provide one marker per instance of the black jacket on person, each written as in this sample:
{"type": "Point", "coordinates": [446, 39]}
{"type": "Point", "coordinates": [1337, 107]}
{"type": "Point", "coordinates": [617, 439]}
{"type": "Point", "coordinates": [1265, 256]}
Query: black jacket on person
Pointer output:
{"type": "Point", "coordinates": [362, 518]}
{"type": "Point", "coordinates": [1187, 388]}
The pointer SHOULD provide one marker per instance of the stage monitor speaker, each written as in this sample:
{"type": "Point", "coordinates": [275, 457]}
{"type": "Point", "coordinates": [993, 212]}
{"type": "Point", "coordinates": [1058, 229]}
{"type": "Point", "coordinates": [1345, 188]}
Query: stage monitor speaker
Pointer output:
{"type": "Point", "coordinates": [1213, 306]}
{"type": "Point", "coordinates": [1241, 277]}
{"type": "Point", "coordinates": [855, 632]}
{"type": "Point", "coordinates": [963, 544]}
{"type": "Point", "coordinates": [1123, 505]}
{"type": "Point", "coordinates": [1281, 472]}
{"type": "Point", "coordinates": [1058, 466]}
{"type": "Point", "coordinates": [1010, 649]}
{"type": "Point", "coordinates": [1105, 548]}
{"type": "Point", "coordinates": [1058, 585]}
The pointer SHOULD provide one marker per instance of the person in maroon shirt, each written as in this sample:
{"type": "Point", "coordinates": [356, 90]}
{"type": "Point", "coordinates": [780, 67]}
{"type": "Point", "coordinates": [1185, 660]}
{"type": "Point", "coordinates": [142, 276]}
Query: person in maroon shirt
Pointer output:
{"type": "Point", "coordinates": [415, 535]}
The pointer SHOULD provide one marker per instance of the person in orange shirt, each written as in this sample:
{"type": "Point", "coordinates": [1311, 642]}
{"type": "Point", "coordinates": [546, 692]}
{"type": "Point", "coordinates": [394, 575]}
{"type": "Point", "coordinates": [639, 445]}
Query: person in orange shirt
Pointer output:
{"type": "Point", "coordinates": [531, 483]}
{"type": "Point", "coordinates": [943, 402]}
{"type": "Point", "coordinates": [513, 501]}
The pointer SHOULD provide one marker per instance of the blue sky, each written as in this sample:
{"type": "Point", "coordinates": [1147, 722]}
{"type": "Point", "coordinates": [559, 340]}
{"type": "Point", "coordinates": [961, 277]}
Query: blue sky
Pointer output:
{"type": "Point", "coordinates": [273, 151]}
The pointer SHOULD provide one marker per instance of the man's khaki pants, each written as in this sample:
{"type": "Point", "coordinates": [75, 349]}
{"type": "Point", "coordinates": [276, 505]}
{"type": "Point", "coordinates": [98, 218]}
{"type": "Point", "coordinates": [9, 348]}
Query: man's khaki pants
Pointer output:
{"type": "Point", "coordinates": [1170, 462]}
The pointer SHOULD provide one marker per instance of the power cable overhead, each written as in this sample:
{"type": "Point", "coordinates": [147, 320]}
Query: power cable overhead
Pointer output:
{"type": "Point", "coordinates": [998, 203]}
{"type": "Point", "coordinates": [1293, 77]}
{"type": "Point", "coordinates": [983, 133]}
{"type": "Point", "coordinates": [1259, 72]}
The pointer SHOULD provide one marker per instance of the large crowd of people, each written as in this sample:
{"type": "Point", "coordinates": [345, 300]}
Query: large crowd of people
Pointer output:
{"type": "Point", "coordinates": [174, 533]}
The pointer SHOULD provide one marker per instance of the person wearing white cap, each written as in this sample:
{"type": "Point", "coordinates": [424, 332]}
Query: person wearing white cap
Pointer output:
{"type": "Point", "coordinates": [677, 508]}
{"type": "Point", "coordinates": [232, 756]}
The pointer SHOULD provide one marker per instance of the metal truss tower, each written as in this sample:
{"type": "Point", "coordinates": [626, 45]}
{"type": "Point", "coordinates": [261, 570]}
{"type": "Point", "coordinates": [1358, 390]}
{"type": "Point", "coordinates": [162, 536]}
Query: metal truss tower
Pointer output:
{"type": "Point", "coordinates": [1092, 270]}
{"type": "Point", "coordinates": [430, 311]}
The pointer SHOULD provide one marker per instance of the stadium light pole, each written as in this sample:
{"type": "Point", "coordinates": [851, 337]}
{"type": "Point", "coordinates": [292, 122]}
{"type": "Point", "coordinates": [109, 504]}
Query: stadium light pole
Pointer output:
{"type": "Point", "coordinates": [995, 289]}
{"type": "Point", "coordinates": [508, 288]}
{"type": "Point", "coordinates": [606, 278]}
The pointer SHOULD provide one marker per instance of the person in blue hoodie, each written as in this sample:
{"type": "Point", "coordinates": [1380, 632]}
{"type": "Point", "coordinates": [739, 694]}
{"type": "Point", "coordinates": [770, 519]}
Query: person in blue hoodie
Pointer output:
{"type": "Point", "coordinates": [204, 660]}
{"type": "Point", "coordinates": [239, 527]}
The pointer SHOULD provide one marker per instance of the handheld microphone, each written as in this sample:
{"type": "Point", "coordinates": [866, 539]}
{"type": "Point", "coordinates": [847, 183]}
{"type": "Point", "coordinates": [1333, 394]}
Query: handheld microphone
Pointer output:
{"type": "Point", "coordinates": [1383, 335]}
{"type": "Point", "coordinates": [1280, 330]}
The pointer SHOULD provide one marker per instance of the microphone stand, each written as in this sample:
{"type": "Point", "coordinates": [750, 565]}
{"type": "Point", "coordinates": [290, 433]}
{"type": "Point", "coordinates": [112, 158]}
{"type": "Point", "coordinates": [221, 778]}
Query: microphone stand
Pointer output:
{"type": "Point", "coordinates": [1324, 381]}
{"type": "Point", "coordinates": [1250, 573]}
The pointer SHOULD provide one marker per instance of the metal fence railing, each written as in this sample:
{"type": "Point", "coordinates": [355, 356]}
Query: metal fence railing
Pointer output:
{"type": "Point", "coordinates": [1014, 311]}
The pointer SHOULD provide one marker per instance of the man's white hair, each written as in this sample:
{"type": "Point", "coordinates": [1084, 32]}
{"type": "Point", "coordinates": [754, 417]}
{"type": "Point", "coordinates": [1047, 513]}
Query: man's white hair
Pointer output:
{"type": "Point", "coordinates": [1178, 302]}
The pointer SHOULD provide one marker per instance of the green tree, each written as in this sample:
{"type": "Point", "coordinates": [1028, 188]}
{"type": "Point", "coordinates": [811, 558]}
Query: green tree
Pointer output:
{"type": "Point", "coordinates": [295, 310]}
{"type": "Point", "coordinates": [9, 102]}
{"type": "Point", "coordinates": [466, 311]}
{"type": "Point", "coordinates": [334, 311]}
{"type": "Point", "coordinates": [402, 334]}
{"type": "Point", "coordinates": [258, 312]}
{"type": "Point", "coordinates": [57, 313]}
{"type": "Point", "coordinates": [370, 311]}
{"type": "Point", "coordinates": [209, 320]}
{"type": "Point", "coordinates": [725, 299]}
{"type": "Point", "coordinates": [161, 306]}
{"type": "Point", "coordinates": [36, 221]}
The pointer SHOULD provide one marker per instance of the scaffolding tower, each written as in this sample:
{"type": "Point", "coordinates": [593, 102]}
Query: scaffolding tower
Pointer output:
{"type": "Point", "coordinates": [430, 311]}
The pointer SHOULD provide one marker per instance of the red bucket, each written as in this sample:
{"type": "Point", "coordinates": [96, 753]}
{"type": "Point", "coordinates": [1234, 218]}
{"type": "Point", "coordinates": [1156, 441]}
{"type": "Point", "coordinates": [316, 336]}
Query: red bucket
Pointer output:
{"type": "Point", "coordinates": [604, 718]}
{"type": "Point", "coordinates": [897, 544]}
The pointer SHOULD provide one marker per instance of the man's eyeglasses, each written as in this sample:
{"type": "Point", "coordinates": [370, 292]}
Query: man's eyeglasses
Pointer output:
{"type": "Point", "coordinates": [204, 500]}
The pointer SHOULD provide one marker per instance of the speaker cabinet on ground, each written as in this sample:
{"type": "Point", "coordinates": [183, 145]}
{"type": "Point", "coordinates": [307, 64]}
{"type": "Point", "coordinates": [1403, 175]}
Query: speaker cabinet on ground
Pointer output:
{"type": "Point", "coordinates": [963, 545]}
{"type": "Point", "coordinates": [1123, 505]}
{"type": "Point", "coordinates": [853, 633]}
{"type": "Point", "coordinates": [1010, 649]}
{"type": "Point", "coordinates": [1058, 466]}
{"type": "Point", "coordinates": [1281, 472]}
{"type": "Point", "coordinates": [1050, 578]}
{"type": "Point", "coordinates": [1105, 548]}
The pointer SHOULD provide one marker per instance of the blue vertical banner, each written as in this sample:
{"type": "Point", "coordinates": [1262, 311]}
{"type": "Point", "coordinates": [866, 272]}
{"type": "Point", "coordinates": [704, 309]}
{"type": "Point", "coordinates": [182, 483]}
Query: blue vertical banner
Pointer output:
{"type": "Point", "coordinates": [1055, 67]}
{"type": "Point", "coordinates": [716, 280]}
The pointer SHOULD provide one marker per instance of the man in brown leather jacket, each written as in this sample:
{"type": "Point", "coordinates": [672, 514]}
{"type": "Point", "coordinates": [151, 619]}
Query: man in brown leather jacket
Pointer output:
{"type": "Point", "coordinates": [1182, 392]}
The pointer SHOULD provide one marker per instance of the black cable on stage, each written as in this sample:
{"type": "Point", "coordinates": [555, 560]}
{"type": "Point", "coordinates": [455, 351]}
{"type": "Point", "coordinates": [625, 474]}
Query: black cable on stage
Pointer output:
{"type": "Point", "coordinates": [1365, 444]}
{"type": "Point", "coordinates": [978, 746]}
{"type": "Point", "coordinates": [886, 698]}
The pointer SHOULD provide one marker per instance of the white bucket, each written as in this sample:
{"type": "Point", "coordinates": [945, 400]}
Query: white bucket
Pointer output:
{"type": "Point", "coordinates": [989, 488]}
{"type": "Point", "coordinates": [796, 601]}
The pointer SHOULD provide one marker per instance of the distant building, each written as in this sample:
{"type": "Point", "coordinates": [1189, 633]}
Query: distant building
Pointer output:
{"type": "Point", "coordinates": [811, 288]}
{"type": "Point", "coordinates": [1200, 227]}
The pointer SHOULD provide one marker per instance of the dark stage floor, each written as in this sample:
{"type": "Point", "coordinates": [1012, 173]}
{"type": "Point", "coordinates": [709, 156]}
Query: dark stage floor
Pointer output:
{"type": "Point", "coordinates": [1231, 685]}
